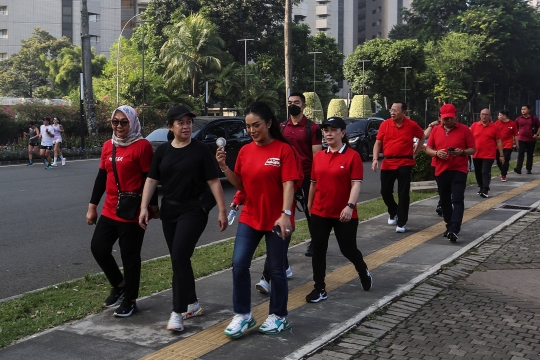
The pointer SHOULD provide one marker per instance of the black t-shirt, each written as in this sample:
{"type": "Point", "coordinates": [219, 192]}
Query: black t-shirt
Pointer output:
{"type": "Point", "coordinates": [183, 172]}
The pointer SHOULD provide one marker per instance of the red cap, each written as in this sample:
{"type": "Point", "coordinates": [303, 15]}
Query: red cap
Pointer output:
{"type": "Point", "coordinates": [448, 110]}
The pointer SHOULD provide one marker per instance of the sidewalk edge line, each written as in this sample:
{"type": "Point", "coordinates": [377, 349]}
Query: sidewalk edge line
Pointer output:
{"type": "Point", "coordinates": [324, 339]}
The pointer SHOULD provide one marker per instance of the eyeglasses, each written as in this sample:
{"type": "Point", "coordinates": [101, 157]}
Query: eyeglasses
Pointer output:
{"type": "Point", "coordinates": [123, 123]}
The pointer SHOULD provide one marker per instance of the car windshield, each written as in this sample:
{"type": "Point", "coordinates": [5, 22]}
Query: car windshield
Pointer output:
{"type": "Point", "coordinates": [359, 126]}
{"type": "Point", "coordinates": [158, 135]}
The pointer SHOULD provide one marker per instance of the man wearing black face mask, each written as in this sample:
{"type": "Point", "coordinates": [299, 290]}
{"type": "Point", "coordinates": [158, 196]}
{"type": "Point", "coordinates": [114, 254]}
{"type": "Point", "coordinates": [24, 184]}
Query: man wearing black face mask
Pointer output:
{"type": "Point", "coordinates": [306, 137]}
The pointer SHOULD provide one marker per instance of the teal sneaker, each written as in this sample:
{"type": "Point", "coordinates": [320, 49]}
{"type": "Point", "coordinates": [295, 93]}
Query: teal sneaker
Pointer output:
{"type": "Point", "coordinates": [239, 325]}
{"type": "Point", "coordinates": [274, 325]}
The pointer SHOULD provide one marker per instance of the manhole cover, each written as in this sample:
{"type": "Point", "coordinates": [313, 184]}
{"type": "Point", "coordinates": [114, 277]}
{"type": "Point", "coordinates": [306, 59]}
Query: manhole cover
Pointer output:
{"type": "Point", "coordinates": [514, 207]}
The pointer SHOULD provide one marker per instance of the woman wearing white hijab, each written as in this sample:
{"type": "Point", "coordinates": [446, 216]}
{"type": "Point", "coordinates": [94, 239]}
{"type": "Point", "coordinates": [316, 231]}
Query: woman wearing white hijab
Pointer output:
{"type": "Point", "coordinates": [133, 156]}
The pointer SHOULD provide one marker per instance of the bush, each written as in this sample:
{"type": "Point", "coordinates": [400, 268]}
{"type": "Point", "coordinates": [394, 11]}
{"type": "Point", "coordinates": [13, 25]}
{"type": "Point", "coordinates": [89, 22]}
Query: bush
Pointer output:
{"type": "Point", "coordinates": [313, 110]}
{"type": "Point", "coordinates": [337, 107]}
{"type": "Point", "coordinates": [360, 107]}
{"type": "Point", "coordinates": [422, 171]}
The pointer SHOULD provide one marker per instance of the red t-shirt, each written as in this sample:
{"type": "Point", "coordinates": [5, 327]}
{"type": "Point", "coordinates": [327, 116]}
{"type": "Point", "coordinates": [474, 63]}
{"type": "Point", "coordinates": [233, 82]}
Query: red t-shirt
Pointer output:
{"type": "Point", "coordinates": [263, 170]}
{"type": "Point", "coordinates": [485, 138]}
{"type": "Point", "coordinates": [399, 142]}
{"type": "Point", "coordinates": [460, 137]}
{"type": "Point", "coordinates": [524, 126]}
{"type": "Point", "coordinates": [131, 162]}
{"type": "Point", "coordinates": [332, 174]}
{"type": "Point", "coordinates": [296, 135]}
{"type": "Point", "coordinates": [508, 131]}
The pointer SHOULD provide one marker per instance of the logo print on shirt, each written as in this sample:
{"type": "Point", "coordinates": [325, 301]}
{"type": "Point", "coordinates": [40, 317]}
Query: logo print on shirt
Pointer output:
{"type": "Point", "coordinates": [273, 162]}
{"type": "Point", "coordinates": [118, 158]}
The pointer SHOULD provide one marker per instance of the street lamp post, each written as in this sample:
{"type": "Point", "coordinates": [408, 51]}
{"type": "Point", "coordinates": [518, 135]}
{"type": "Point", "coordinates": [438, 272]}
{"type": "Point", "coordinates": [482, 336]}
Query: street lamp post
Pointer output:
{"type": "Point", "coordinates": [363, 76]}
{"type": "Point", "coordinates": [405, 68]}
{"type": "Point", "coordinates": [477, 82]}
{"type": "Point", "coordinates": [118, 58]}
{"type": "Point", "coordinates": [314, 66]}
{"type": "Point", "coordinates": [245, 62]}
{"type": "Point", "coordinates": [494, 85]}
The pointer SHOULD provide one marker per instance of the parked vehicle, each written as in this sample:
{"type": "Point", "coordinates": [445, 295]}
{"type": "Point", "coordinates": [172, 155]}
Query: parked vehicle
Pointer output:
{"type": "Point", "coordinates": [207, 129]}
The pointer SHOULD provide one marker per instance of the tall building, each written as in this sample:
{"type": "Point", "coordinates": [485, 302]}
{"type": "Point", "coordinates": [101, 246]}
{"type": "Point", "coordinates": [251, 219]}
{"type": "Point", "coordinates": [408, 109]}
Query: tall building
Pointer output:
{"type": "Point", "coordinates": [350, 22]}
{"type": "Point", "coordinates": [107, 18]}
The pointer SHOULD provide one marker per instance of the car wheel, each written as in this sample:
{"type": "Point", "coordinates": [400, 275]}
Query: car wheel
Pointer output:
{"type": "Point", "coordinates": [364, 153]}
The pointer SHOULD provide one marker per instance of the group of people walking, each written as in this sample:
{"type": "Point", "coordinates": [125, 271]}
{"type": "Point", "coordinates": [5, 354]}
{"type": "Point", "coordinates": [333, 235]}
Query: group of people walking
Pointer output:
{"type": "Point", "coordinates": [283, 169]}
{"type": "Point", "coordinates": [41, 141]}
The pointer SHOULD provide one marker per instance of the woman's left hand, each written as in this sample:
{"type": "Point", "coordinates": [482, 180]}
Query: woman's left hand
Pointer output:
{"type": "Point", "coordinates": [346, 214]}
{"type": "Point", "coordinates": [284, 222]}
{"type": "Point", "coordinates": [222, 221]}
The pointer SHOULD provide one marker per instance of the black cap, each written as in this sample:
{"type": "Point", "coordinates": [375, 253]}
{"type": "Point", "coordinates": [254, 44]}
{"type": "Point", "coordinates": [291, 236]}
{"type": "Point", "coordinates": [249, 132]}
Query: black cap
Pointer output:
{"type": "Point", "coordinates": [336, 122]}
{"type": "Point", "coordinates": [47, 118]}
{"type": "Point", "coordinates": [177, 111]}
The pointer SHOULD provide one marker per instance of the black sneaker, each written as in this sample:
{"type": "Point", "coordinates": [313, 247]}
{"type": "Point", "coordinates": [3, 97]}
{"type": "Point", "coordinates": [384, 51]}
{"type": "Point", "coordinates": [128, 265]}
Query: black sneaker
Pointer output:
{"type": "Point", "coordinates": [452, 237]}
{"type": "Point", "coordinates": [438, 210]}
{"type": "Point", "coordinates": [366, 281]}
{"type": "Point", "coordinates": [484, 194]}
{"type": "Point", "coordinates": [127, 308]}
{"type": "Point", "coordinates": [517, 171]}
{"type": "Point", "coordinates": [309, 250]}
{"type": "Point", "coordinates": [117, 294]}
{"type": "Point", "coordinates": [529, 172]}
{"type": "Point", "coordinates": [316, 295]}
{"type": "Point", "coordinates": [445, 234]}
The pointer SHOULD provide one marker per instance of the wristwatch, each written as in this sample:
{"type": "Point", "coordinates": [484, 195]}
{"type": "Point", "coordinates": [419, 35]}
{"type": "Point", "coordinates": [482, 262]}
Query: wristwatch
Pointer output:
{"type": "Point", "coordinates": [351, 205]}
{"type": "Point", "coordinates": [287, 212]}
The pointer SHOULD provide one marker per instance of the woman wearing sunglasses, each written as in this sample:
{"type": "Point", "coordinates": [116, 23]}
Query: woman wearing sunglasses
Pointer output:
{"type": "Point", "coordinates": [132, 158]}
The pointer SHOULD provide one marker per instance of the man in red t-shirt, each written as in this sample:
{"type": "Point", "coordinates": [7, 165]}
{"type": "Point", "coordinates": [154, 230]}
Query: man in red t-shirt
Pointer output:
{"type": "Point", "coordinates": [488, 140]}
{"type": "Point", "coordinates": [529, 129]}
{"type": "Point", "coordinates": [396, 138]}
{"type": "Point", "coordinates": [509, 138]}
{"type": "Point", "coordinates": [295, 130]}
{"type": "Point", "coordinates": [450, 145]}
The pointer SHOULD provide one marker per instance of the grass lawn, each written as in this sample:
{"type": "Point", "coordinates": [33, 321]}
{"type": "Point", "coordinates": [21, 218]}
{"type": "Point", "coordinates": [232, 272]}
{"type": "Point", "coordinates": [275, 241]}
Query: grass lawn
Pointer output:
{"type": "Point", "coordinates": [58, 304]}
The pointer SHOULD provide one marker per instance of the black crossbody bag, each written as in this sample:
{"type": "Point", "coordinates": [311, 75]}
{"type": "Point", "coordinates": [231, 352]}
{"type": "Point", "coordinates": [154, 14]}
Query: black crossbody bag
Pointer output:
{"type": "Point", "coordinates": [128, 202]}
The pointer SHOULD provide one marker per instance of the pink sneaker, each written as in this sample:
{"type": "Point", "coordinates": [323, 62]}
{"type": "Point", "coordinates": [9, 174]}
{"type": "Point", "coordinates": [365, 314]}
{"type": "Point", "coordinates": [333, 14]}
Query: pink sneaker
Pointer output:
{"type": "Point", "coordinates": [503, 178]}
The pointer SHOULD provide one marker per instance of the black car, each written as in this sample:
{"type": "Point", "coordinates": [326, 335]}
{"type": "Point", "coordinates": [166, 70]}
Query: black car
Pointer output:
{"type": "Point", "coordinates": [207, 129]}
{"type": "Point", "coordinates": [362, 133]}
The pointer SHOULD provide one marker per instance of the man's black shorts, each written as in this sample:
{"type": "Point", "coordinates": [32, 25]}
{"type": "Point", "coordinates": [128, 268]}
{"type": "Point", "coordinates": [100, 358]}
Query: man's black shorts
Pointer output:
{"type": "Point", "coordinates": [43, 147]}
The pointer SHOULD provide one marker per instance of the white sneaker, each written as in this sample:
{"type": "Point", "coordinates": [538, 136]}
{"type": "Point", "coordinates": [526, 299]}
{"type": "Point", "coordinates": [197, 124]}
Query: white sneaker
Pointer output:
{"type": "Point", "coordinates": [175, 322]}
{"type": "Point", "coordinates": [288, 272]}
{"type": "Point", "coordinates": [193, 310]}
{"type": "Point", "coordinates": [262, 286]}
{"type": "Point", "coordinates": [274, 325]}
{"type": "Point", "coordinates": [401, 229]}
{"type": "Point", "coordinates": [54, 164]}
{"type": "Point", "coordinates": [392, 221]}
{"type": "Point", "coordinates": [239, 325]}
{"type": "Point", "coordinates": [63, 161]}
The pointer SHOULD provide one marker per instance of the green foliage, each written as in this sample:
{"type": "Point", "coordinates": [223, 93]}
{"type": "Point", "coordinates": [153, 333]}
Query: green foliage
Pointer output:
{"type": "Point", "coordinates": [383, 74]}
{"type": "Point", "coordinates": [337, 107]}
{"type": "Point", "coordinates": [24, 72]}
{"type": "Point", "coordinates": [314, 109]}
{"type": "Point", "coordinates": [360, 107]}
{"type": "Point", "coordinates": [193, 48]}
{"type": "Point", "coordinates": [422, 170]}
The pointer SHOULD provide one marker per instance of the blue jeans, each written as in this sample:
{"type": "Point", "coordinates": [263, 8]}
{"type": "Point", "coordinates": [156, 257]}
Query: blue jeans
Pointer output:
{"type": "Point", "coordinates": [245, 244]}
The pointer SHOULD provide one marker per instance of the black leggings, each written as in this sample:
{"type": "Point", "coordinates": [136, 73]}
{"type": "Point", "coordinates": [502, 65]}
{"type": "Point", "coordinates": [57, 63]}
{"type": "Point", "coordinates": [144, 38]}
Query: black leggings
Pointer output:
{"type": "Point", "coordinates": [182, 237]}
{"type": "Point", "coordinates": [130, 238]}
{"type": "Point", "coordinates": [346, 238]}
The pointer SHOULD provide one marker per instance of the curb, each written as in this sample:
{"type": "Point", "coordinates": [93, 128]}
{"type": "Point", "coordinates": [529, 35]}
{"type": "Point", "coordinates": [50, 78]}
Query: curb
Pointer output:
{"type": "Point", "coordinates": [397, 307]}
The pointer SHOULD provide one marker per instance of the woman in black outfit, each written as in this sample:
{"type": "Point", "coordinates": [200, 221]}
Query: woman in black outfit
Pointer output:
{"type": "Point", "coordinates": [133, 158]}
{"type": "Point", "coordinates": [185, 167]}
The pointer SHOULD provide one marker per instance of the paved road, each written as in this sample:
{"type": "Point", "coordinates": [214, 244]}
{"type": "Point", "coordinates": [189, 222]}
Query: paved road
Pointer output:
{"type": "Point", "coordinates": [44, 238]}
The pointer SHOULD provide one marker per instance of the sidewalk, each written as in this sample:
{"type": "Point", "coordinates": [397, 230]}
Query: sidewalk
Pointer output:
{"type": "Point", "coordinates": [440, 318]}
{"type": "Point", "coordinates": [486, 305]}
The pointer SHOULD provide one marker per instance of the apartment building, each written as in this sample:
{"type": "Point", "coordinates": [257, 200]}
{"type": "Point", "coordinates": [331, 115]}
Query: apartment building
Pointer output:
{"type": "Point", "coordinates": [18, 18]}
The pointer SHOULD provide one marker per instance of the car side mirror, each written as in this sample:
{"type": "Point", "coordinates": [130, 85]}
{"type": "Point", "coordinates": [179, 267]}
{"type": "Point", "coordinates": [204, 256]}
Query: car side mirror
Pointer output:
{"type": "Point", "coordinates": [210, 137]}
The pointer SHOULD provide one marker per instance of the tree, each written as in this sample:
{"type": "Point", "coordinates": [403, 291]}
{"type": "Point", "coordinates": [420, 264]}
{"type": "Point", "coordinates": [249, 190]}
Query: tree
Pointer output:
{"type": "Point", "coordinates": [228, 85]}
{"type": "Point", "coordinates": [453, 60]}
{"type": "Point", "coordinates": [431, 19]}
{"type": "Point", "coordinates": [25, 71]}
{"type": "Point", "coordinates": [193, 48]}
{"type": "Point", "coordinates": [384, 74]}
{"type": "Point", "coordinates": [360, 106]}
{"type": "Point", "coordinates": [65, 69]}
{"type": "Point", "coordinates": [337, 107]}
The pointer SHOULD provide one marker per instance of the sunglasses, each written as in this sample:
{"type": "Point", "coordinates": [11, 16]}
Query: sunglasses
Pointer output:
{"type": "Point", "coordinates": [123, 123]}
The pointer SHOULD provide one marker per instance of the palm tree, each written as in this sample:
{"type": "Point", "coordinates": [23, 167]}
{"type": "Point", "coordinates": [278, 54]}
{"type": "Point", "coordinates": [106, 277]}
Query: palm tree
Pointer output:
{"type": "Point", "coordinates": [229, 85]}
{"type": "Point", "coordinates": [193, 48]}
